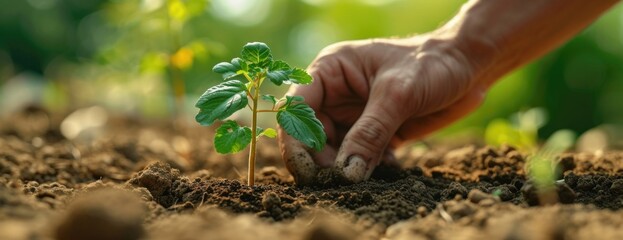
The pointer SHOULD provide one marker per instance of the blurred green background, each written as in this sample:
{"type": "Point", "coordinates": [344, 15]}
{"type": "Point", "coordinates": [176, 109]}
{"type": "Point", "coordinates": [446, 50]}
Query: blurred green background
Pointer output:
{"type": "Point", "coordinates": [153, 58]}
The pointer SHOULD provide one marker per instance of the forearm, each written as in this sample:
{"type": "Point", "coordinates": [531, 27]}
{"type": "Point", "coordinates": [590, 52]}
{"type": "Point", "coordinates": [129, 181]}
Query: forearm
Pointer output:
{"type": "Point", "coordinates": [498, 36]}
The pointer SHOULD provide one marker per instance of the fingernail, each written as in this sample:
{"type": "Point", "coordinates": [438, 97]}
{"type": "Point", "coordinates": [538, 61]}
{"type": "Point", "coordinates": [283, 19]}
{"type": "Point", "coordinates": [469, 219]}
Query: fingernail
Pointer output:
{"type": "Point", "coordinates": [356, 169]}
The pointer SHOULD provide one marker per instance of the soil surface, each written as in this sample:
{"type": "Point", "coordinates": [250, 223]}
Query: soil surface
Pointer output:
{"type": "Point", "coordinates": [132, 179]}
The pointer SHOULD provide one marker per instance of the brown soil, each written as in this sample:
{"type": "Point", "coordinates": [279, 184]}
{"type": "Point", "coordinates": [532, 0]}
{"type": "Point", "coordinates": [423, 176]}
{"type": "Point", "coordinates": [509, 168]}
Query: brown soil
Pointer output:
{"type": "Point", "coordinates": [142, 180]}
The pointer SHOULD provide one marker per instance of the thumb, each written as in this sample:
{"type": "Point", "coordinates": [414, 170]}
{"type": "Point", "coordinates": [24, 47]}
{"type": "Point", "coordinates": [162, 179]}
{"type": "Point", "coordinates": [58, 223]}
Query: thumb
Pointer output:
{"type": "Point", "coordinates": [365, 143]}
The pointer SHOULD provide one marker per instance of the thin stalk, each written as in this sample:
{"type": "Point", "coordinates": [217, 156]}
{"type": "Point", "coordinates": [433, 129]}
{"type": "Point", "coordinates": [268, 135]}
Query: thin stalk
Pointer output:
{"type": "Point", "coordinates": [251, 171]}
{"type": "Point", "coordinates": [247, 77]}
{"type": "Point", "coordinates": [249, 94]}
{"type": "Point", "coordinates": [179, 89]}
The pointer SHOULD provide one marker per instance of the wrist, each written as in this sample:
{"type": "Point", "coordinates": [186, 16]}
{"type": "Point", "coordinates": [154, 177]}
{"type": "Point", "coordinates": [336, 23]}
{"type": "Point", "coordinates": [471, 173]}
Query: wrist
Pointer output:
{"type": "Point", "coordinates": [476, 51]}
{"type": "Point", "coordinates": [481, 53]}
{"type": "Point", "coordinates": [499, 36]}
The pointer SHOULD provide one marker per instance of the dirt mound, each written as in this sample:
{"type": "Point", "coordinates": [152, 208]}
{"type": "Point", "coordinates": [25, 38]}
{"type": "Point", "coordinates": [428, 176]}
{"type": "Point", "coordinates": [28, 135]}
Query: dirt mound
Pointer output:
{"type": "Point", "coordinates": [142, 180]}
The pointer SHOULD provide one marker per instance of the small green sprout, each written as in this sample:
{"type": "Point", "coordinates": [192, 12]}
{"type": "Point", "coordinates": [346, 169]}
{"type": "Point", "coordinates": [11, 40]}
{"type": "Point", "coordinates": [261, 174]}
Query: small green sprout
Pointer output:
{"type": "Point", "coordinates": [522, 133]}
{"type": "Point", "coordinates": [255, 65]}
{"type": "Point", "coordinates": [541, 167]}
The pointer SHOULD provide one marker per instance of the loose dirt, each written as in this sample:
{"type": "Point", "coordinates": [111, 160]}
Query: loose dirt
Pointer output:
{"type": "Point", "coordinates": [133, 179]}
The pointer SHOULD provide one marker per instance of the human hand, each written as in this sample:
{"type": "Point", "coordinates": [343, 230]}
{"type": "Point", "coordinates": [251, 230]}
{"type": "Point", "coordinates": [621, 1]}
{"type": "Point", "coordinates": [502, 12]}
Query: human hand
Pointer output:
{"type": "Point", "coordinates": [373, 95]}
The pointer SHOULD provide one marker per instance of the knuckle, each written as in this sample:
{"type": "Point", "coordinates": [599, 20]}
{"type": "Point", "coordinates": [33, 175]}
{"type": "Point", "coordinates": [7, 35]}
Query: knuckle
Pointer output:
{"type": "Point", "coordinates": [400, 94]}
{"type": "Point", "coordinates": [399, 97]}
{"type": "Point", "coordinates": [372, 133]}
{"type": "Point", "coordinates": [344, 48]}
{"type": "Point", "coordinates": [335, 48]}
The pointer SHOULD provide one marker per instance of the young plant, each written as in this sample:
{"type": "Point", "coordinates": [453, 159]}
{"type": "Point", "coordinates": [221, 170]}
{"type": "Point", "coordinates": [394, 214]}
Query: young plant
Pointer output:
{"type": "Point", "coordinates": [541, 166]}
{"type": "Point", "coordinates": [255, 65]}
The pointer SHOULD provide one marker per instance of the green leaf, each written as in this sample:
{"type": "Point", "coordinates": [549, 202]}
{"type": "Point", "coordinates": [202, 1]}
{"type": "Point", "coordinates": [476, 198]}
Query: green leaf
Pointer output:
{"type": "Point", "coordinates": [228, 70]}
{"type": "Point", "coordinates": [258, 131]}
{"type": "Point", "coordinates": [278, 72]}
{"type": "Point", "coordinates": [231, 137]}
{"type": "Point", "coordinates": [300, 122]}
{"type": "Point", "coordinates": [269, 132]}
{"type": "Point", "coordinates": [257, 53]}
{"type": "Point", "coordinates": [240, 64]}
{"type": "Point", "coordinates": [291, 99]}
{"type": "Point", "coordinates": [221, 101]}
{"type": "Point", "coordinates": [558, 142]}
{"type": "Point", "coordinates": [500, 131]}
{"type": "Point", "coordinates": [270, 98]}
{"type": "Point", "coordinates": [298, 76]}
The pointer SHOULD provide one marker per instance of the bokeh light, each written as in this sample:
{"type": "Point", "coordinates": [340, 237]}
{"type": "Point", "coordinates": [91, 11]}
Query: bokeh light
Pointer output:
{"type": "Point", "coordinates": [152, 58]}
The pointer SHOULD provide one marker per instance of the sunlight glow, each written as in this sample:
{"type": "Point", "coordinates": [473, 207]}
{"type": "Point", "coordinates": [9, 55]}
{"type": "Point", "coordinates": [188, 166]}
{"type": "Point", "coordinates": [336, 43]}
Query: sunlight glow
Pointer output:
{"type": "Point", "coordinates": [309, 37]}
{"type": "Point", "coordinates": [241, 12]}
{"type": "Point", "coordinates": [378, 2]}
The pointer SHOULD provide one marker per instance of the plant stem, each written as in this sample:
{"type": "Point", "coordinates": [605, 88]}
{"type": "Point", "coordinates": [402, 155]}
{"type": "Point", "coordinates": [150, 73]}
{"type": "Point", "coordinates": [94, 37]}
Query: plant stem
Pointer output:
{"type": "Point", "coordinates": [251, 171]}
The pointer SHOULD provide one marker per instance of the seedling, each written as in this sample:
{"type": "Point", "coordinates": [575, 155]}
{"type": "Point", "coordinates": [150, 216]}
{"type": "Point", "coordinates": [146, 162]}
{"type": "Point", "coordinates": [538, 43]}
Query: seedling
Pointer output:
{"type": "Point", "coordinates": [255, 65]}
{"type": "Point", "coordinates": [522, 133]}
{"type": "Point", "coordinates": [541, 166]}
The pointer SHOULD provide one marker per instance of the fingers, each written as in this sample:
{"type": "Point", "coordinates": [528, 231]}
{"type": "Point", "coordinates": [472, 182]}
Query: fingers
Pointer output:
{"type": "Point", "coordinates": [365, 143]}
{"type": "Point", "coordinates": [326, 157]}
{"type": "Point", "coordinates": [313, 93]}
{"type": "Point", "coordinates": [297, 156]}
{"type": "Point", "coordinates": [297, 159]}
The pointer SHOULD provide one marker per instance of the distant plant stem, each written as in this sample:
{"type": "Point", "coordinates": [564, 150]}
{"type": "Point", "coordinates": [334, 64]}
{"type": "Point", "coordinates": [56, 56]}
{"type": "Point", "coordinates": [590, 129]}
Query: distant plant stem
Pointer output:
{"type": "Point", "coordinates": [179, 90]}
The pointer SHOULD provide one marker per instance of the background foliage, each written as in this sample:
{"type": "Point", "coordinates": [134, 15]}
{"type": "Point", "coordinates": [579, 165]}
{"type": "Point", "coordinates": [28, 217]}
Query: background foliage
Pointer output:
{"type": "Point", "coordinates": [139, 56]}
